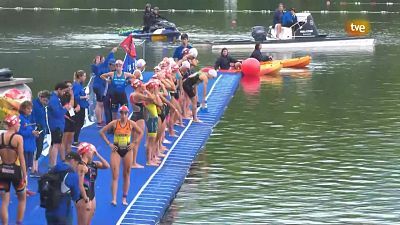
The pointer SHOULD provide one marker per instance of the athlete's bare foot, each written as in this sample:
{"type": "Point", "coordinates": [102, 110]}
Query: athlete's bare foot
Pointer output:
{"type": "Point", "coordinates": [136, 166]}
{"type": "Point", "coordinates": [152, 164]}
{"type": "Point", "coordinates": [114, 203]}
{"type": "Point", "coordinates": [162, 155]}
{"type": "Point", "coordinates": [197, 121]}
{"type": "Point", "coordinates": [124, 202]}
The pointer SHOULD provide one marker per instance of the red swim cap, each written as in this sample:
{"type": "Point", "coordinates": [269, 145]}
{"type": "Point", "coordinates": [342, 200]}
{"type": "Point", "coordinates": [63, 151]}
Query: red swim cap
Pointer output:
{"type": "Point", "coordinates": [123, 108]}
{"type": "Point", "coordinates": [85, 147]}
{"type": "Point", "coordinates": [11, 120]}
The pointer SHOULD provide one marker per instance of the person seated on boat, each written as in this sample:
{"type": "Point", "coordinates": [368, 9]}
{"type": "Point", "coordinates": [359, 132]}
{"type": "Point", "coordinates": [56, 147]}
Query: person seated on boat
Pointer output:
{"type": "Point", "coordinates": [258, 55]}
{"type": "Point", "coordinates": [289, 19]}
{"type": "Point", "coordinates": [225, 61]}
{"type": "Point", "coordinates": [277, 21]}
{"type": "Point", "coordinates": [147, 18]}
{"type": "Point", "coordinates": [155, 19]}
{"type": "Point", "coordinates": [178, 53]}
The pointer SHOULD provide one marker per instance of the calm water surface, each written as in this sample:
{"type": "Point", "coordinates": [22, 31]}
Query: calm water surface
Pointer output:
{"type": "Point", "coordinates": [313, 146]}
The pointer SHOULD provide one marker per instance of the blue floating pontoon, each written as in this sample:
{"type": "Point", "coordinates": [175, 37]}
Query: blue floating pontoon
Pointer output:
{"type": "Point", "coordinates": [152, 189]}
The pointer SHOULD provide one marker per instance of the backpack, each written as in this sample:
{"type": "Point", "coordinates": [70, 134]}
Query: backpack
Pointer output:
{"type": "Point", "coordinates": [50, 188]}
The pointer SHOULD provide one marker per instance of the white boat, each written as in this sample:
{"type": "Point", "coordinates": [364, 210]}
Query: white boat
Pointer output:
{"type": "Point", "coordinates": [305, 37]}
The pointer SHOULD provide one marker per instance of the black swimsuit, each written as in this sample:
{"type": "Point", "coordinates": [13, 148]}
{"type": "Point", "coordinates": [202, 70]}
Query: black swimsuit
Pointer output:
{"type": "Point", "coordinates": [138, 112]}
{"type": "Point", "coordinates": [90, 179]}
{"type": "Point", "coordinates": [10, 173]}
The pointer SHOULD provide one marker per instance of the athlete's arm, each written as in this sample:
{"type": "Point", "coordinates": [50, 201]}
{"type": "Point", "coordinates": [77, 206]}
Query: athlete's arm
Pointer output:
{"type": "Point", "coordinates": [82, 170]}
{"type": "Point", "coordinates": [20, 152]}
{"type": "Point", "coordinates": [102, 164]}
{"type": "Point", "coordinates": [105, 76]}
{"type": "Point", "coordinates": [111, 125]}
{"type": "Point", "coordinates": [205, 82]}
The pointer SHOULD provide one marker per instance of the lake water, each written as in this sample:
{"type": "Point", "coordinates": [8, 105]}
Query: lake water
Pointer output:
{"type": "Point", "coordinates": [313, 146]}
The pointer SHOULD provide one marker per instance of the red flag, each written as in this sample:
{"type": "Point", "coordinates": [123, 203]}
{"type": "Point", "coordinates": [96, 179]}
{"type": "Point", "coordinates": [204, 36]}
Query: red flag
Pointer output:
{"type": "Point", "coordinates": [129, 46]}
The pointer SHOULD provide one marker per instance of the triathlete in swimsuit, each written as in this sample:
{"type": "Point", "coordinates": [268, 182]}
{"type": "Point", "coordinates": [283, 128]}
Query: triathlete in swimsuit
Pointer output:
{"type": "Point", "coordinates": [12, 169]}
{"type": "Point", "coordinates": [138, 99]}
{"type": "Point", "coordinates": [190, 88]}
{"type": "Point", "coordinates": [87, 171]}
{"type": "Point", "coordinates": [121, 150]}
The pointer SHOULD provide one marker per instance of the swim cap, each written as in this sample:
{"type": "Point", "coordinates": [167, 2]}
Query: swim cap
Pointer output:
{"type": "Point", "coordinates": [157, 68]}
{"type": "Point", "coordinates": [140, 63]}
{"type": "Point", "coordinates": [85, 147]}
{"type": "Point", "coordinates": [136, 83]}
{"type": "Point", "coordinates": [185, 64]}
{"type": "Point", "coordinates": [119, 62]}
{"type": "Point", "coordinates": [123, 108]}
{"type": "Point", "coordinates": [193, 52]}
{"type": "Point", "coordinates": [11, 120]}
{"type": "Point", "coordinates": [212, 73]}
{"type": "Point", "coordinates": [185, 51]}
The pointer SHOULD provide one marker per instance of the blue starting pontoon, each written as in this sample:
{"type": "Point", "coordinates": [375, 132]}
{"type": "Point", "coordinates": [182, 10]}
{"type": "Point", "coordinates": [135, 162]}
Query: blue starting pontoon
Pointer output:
{"type": "Point", "coordinates": [152, 188]}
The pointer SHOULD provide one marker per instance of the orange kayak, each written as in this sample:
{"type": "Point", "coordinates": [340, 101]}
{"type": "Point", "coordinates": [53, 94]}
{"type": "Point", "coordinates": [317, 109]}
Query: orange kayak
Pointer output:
{"type": "Point", "coordinates": [299, 62]}
{"type": "Point", "coordinates": [270, 68]}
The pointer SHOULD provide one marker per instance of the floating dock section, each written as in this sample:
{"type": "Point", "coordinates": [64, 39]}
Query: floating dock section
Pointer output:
{"type": "Point", "coordinates": [152, 189]}
{"type": "Point", "coordinates": [156, 195]}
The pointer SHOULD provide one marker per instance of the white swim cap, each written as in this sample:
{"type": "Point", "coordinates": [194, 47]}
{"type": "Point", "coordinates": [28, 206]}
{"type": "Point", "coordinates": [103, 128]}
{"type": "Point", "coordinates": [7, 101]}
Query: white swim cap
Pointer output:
{"type": "Point", "coordinates": [193, 52]}
{"type": "Point", "coordinates": [212, 73]}
{"type": "Point", "coordinates": [140, 63]}
{"type": "Point", "coordinates": [185, 64]}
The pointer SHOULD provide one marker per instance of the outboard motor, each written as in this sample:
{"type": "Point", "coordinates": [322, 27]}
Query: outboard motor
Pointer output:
{"type": "Point", "coordinates": [6, 74]}
{"type": "Point", "coordinates": [307, 28]}
{"type": "Point", "coordinates": [259, 33]}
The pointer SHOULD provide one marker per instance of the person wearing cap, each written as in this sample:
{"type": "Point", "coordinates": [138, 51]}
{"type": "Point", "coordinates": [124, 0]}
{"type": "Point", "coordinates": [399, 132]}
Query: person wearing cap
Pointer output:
{"type": "Point", "coordinates": [178, 53]}
{"type": "Point", "coordinates": [121, 149]}
{"type": "Point", "coordinates": [225, 61]}
{"type": "Point", "coordinates": [39, 116]}
{"type": "Point", "coordinates": [289, 18]}
{"type": "Point", "coordinates": [151, 121]}
{"type": "Point", "coordinates": [56, 112]}
{"type": "Point", "coordinates": [117, 87]}
{"type": "Point", "coordinates": [12, 157]}
{"type": "Point", "coordinates": [87, 172]}
{"type": "Point", "coordinates": [190, 88]}
{"type": "Point", "coordinates": [138, 99]}
{"type": "Point", "coordinates": [100, 66]}
{"type": "Point", "coordinates": [69, 186]}
{"type": "Point", "coordinates": [258, 55]}
{"type": "Point", "coordinates": [147, 18]}
{"type": "Point", "coordinates": [141, 66]}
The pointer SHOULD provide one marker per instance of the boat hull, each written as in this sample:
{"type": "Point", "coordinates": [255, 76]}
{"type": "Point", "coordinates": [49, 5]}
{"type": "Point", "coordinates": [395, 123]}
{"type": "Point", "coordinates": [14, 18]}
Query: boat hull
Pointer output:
{"type": "Point", "coordinates": [299, 62]}
{"type": "Point", "coordinates": [306, 44]}
{"type": "Point", "coordinates": [270, 68]}
{"type": "Point", "coordinates": [167, 35]}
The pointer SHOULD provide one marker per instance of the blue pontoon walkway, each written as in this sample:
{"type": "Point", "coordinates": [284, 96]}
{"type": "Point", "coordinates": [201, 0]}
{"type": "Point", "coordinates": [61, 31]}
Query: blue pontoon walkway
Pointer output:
{"type": "Point", "coordinates": [152, 189]}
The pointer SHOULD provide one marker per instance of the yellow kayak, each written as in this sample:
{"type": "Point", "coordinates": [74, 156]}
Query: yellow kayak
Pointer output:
{"type": "Point", "coordinates": [299, 62]}
{"type": "Point", "coordinates": [270, 68]}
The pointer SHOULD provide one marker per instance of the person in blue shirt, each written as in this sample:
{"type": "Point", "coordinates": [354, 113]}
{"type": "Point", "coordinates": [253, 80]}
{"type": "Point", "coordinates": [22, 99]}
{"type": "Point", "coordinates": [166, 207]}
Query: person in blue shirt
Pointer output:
{"type": "Point", "coordinates": [56, 112]}
{"type": "Point", "coordinates": [62, 215]}
{"type": "Point", "coordinates": [81, 99]}
{"type": "Point", "coordinates": [100, 66]}
{"type": "Point", "coordinates": [178, 53]}
{"type": "Point", "coordinates": [277, 21]}
{"type": "Point", "coordinates": [29, 134]}
{"type": "Point", "coordinates": [39, 116]}
{"type": "Point", "coordinates": [289, 18]}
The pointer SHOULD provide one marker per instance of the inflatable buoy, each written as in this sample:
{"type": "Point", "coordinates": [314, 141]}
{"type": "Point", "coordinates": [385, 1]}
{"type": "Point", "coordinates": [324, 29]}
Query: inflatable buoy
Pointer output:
{"type": "Point", "coordinates": [251, 67]}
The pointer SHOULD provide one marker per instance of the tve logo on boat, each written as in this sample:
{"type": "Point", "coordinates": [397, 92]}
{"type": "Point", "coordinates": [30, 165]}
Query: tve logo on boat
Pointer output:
{"type": "Point", "coordinates": [357, 27]}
